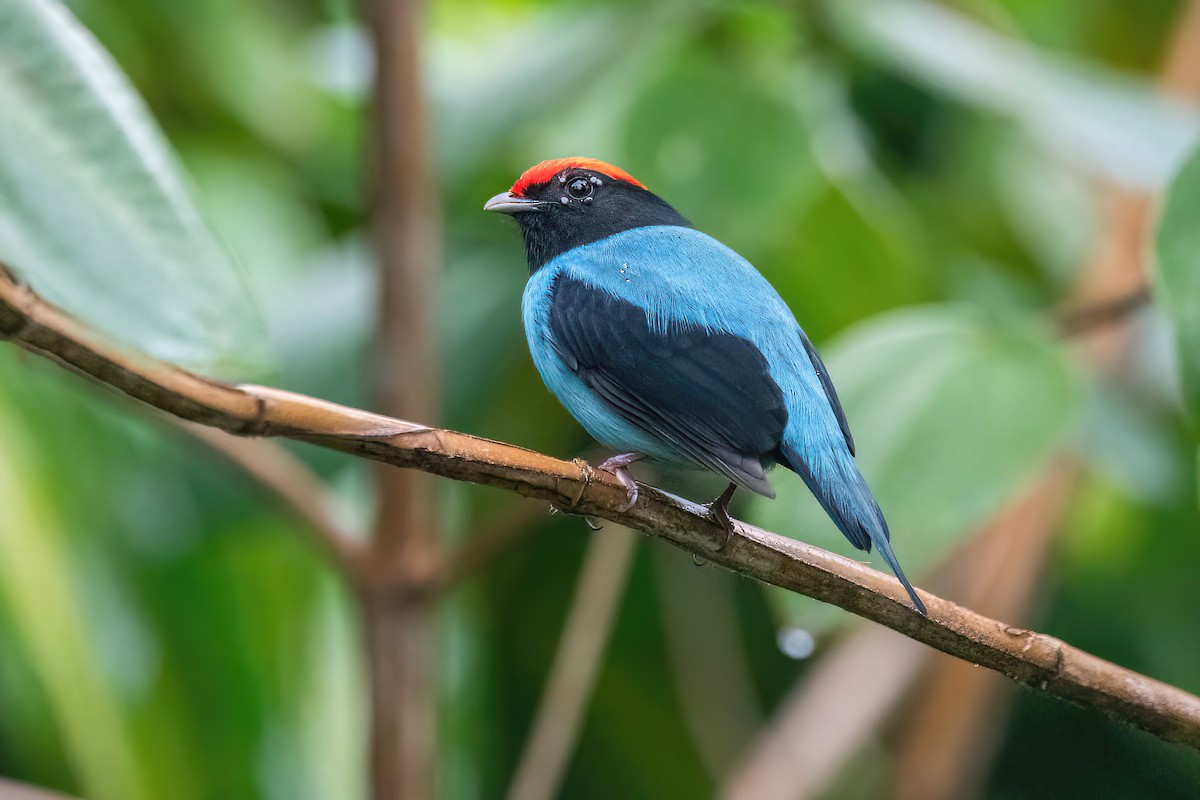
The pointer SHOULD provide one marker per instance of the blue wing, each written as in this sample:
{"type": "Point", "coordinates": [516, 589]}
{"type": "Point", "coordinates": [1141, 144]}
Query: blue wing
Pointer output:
{"type": "Point", "coordinates": [707, 394]}
{"type": "Point", "coordinates": [830, 393]}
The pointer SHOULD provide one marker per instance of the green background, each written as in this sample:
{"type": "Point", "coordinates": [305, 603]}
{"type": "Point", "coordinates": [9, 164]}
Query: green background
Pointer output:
{"type": "Point", "coordinates": [923, 183]}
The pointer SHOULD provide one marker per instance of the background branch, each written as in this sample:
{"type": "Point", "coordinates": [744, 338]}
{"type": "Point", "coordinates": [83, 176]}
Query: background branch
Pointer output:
{"type": "Point", "coordinates": [712, 672]}
{"type": "Point", "coordinates": [1033, 659]}
{"type": "Point", "coordinates": [1085, 319]}
{"type": "Point", "coordinates": [577, 660]}
{"type": "Point", "coordinates": [291, 481]}
{"type": "Point", "coordinates": [398, 617]}
{"type": "Point", "coordinates": [845, 700]}
{"type": "Point", "coordinates": [948, 736]}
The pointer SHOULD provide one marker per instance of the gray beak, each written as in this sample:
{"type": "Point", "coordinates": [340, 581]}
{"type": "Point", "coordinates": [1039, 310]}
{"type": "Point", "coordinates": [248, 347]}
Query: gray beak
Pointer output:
{"type": "Point", "coordinates": [508, 203]}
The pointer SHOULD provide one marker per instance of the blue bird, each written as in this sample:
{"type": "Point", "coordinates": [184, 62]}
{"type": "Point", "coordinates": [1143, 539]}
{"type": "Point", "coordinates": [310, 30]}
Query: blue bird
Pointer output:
{"type": "Point", "coordinates": [665, 344]}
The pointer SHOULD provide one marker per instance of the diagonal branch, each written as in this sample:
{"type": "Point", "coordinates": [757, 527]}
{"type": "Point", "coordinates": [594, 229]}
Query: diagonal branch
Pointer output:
{"type": "Point", "coordinates": [1076, 321]}
{"type": "Point", "coordinates": [1030, 658]}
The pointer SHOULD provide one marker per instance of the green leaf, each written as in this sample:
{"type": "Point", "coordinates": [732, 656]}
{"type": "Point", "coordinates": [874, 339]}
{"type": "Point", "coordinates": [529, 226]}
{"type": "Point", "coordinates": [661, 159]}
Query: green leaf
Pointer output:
{"type": "Point", "coordinates": [93, 210]}
{"type": "Point", "coordinates": [483, 112]}
{"type": "Point", "coordinates": [1085, 113]}
{"type": "Point", "coordinates": [1177, 246]}
{"type": "Point", "coordinates": [697, 136]}
{"type": "Point", "coordinates": [952, 412]}
{"type": "Point", "coordinates": [38, 582]}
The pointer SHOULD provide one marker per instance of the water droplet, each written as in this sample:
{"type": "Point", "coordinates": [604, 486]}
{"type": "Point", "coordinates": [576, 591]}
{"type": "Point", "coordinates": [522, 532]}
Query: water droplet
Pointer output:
{"type": "Point", "coordinates": [796, 643]}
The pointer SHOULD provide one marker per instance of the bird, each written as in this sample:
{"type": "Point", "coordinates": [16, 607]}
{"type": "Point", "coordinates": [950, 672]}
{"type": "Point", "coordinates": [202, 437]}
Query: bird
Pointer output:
{"type": "Point", "coordinates": [664, 344]}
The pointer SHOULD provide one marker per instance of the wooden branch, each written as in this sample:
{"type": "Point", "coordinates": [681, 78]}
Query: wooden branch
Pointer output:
{"type": "Point", "coordinates": [1035, 660]}
{"type": "Point", "coordinates": [405, 548]}
{"type": "Point", "coordinates": [407, 235]}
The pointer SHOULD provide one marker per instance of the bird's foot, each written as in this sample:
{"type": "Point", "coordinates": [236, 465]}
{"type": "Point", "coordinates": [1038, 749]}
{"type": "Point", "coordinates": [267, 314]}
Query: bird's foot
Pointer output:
{"type": "Point", "coordinates": [719, 511]}
{"type": "Point", "coordinates": [619, 466]}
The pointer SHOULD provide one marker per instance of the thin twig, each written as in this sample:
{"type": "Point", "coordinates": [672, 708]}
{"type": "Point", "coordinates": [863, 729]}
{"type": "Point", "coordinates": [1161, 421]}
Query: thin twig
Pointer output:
{"type": "Point", "coordinates": [586, 632]}
{"type": "Point", "coordinates": [827, 717]}
{"type": "Point", "coordinates": [1085, 319]}
{"type": "Point", "coordinates": [1033, 659]}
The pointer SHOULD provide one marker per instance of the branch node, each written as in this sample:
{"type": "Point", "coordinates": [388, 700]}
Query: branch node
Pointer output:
{"type": "Point", "coordinates": [258, 425]}
{"type": "Point", "coordinates": [586, 473]}
{"type": "Point", "coordinates": [1060, 660]}
{"type": "Point", "coordinates": [14, 325]}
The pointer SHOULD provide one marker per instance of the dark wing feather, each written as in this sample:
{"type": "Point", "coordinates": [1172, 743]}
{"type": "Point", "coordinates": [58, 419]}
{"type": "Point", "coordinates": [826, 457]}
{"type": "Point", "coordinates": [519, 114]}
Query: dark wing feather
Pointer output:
{"type": "Point", "coordinates": [830, 392]}
{"type": "Point", "coordinates": [708, 394]}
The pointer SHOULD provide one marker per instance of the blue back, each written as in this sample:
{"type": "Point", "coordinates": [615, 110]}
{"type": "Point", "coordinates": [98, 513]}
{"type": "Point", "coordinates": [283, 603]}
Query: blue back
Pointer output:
{"type": "Point", "coordinates": [682, 277]}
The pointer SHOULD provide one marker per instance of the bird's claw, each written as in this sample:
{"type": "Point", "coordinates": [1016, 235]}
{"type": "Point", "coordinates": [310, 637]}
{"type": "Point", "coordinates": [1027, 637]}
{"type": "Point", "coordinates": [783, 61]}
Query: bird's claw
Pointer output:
{"type": "Point", "coordinates": [618, 466]}
{"type": "Point", "coordinates": [719, 511]}
{"type": "Point", "coordinates": [631, 487]}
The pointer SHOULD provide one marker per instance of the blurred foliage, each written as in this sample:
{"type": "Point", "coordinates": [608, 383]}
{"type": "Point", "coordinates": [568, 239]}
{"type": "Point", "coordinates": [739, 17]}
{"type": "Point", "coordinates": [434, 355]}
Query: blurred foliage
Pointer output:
{"type": "Point", "coordinates": [93, 209]}
{"type": "Point", "coordinates": [954, 439]}
{"type": "Point", "coordinates": [164, 630]}
{"type": "Point", "coordinates": [1179, 272]}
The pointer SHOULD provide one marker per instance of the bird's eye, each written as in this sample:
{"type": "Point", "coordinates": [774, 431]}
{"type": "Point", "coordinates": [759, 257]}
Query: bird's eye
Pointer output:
{"type": "Point", "coordinates": [579, 188]}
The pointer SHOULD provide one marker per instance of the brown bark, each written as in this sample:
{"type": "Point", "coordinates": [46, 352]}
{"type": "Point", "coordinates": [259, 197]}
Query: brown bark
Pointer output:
{"type": "Point", "coordinates": [404, 548]}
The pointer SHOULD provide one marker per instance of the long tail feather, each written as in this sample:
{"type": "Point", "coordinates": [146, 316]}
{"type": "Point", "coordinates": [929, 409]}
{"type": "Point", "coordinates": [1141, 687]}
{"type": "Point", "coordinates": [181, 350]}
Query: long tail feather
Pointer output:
{"type": "Point", "coordinates": [841, 490]}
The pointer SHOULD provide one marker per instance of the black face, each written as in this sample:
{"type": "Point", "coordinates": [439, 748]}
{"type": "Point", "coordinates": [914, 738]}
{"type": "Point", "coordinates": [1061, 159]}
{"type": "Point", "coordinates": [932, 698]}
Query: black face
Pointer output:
{"type": "Point", "coordinates": [579, 206]}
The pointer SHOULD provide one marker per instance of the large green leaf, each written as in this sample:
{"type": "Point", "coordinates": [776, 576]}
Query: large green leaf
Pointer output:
{"type": "Point", "coordinates": [1178, 276]}
{"type": "Point", "coordinates": [93, 211]}
{"type": "Point", "coordinates": [951, 412]}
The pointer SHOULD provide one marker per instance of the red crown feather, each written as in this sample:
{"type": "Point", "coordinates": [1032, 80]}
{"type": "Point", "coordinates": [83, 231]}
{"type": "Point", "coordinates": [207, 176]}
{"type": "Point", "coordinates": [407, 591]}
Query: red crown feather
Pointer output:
{"type": "Point", "coordinates": [545, 171]}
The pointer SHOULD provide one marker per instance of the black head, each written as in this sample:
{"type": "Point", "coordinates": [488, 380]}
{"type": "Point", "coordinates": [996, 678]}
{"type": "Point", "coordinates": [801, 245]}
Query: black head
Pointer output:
{"type": "Point", "coordinates": [570, 202]}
